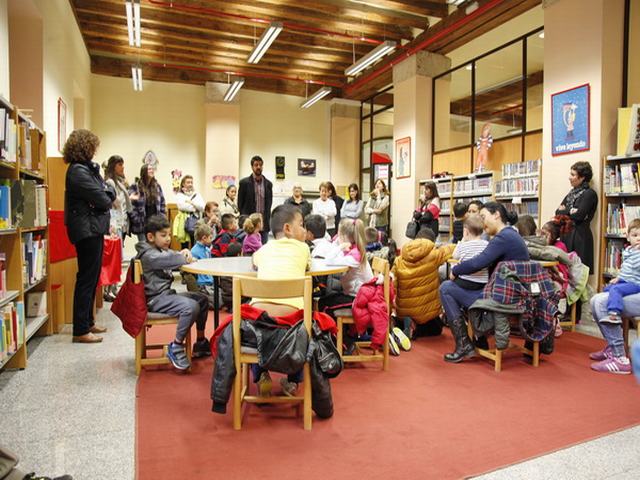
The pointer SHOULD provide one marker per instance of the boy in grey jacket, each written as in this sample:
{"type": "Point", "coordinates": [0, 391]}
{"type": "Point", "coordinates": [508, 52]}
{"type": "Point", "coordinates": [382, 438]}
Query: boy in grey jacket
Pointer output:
{"type": "Point", "coordinates": [158, 262]}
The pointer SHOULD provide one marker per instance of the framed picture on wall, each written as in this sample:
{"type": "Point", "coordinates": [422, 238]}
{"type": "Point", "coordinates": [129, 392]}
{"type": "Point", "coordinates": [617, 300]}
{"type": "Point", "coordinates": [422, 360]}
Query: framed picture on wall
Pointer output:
{"type": "Point", "coordinates": [403, 158]}
{"type": "Point", "coordinates": [62, 124]}
{"type": "Point", "coordinates": [306, 167]}
{"type": "Point", "coordinates": [570, 121]}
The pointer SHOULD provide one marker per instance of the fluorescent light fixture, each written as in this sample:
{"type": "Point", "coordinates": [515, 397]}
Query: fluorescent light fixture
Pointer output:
{"type": "Point", "coordinates": [456, 2]}
{"type": "Point", "coordinates": [323, 92]}
{"type": "Point", "coordinates": [541, 35]}
{"type": "Point", "coordinates": [136, 77]}
{"type": "Point", "coordinates": [371, 57]}
{"type": "Point", "coordinates": [234, 88]}
{"type": "Point", "coordinates": [133, 21]}
{"type": "Point", "coordinates": [267, 38]}
{"type": "Point", "coordinates": [469, 67]}
{"type": "Point", "coordinates": [471, 8]}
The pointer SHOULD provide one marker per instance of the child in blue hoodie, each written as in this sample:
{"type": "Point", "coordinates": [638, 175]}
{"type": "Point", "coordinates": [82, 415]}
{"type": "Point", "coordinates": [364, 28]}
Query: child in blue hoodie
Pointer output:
{"type": "Point", "coordinates": [201, 250]}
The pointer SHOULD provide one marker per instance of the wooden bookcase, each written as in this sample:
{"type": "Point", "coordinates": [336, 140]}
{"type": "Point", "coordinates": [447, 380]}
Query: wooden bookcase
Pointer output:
{"type": "Point", "coordinates": [30, 164]}
{"type": "Point", "coordinates": [520, 188]}
{"type": "Point", "coordinates": [615, 195]}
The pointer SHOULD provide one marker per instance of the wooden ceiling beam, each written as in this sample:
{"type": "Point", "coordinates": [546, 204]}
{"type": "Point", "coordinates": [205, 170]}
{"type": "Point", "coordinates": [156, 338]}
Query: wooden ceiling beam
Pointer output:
{"type": "Point", "coordinates": [433, 8]}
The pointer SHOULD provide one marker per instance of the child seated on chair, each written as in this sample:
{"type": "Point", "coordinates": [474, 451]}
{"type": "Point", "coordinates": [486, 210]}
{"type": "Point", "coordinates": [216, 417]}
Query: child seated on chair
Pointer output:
{"type": "Point", "coordinates": [227, 235]}
{"type": "Point", "coordinates": [375, 246]}
{"type": "Point", "coordinates": [202, 250]}
{"type": "Point", "coordinates": [317, 238]}
{"type": "Point", "coordinates": [628, 280]}
{"type": "Point", "coordinates": [253, 240]}
{"type": "Point", "coordinates": [158, 263]}
{"type": "Point", "coordinates": [552, 231]}
{"type": "Point", "coordinates": [460, 213]}
{"type": "Point", "coordinates": [286, 257]}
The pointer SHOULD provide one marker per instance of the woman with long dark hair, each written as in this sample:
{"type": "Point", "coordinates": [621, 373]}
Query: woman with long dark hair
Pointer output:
{"type": "Point", "coordinates": [378, 206]}
{"type": "Point", "coordinates": [88, 200]}
{"type": "Point", "coordinates": [147, 200]}
{"type": "Point", "coordinates": [229, 204]}
{"type": "Point", "coordinates": [337, 199]}
{"type": "Point", "coordinates": [353, 207]}
{"type": "Point", "coordinates": [428, 212]}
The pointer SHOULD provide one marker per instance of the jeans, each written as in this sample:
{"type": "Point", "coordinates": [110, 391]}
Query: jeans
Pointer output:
{"type": "Point", "coordinates": [612, 332]}
{"type": "Point", "coordinates": [189, 307]}
{"type": "Point", "coordinates": [89, 251]}
{"type": "Point", "coordinates": [617, 291]}
{"type": "Point", "coordinates": [454, 298]}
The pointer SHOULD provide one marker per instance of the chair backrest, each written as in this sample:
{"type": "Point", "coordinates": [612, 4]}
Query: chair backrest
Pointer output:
{"type": "Point", "coordinates": [137, 271]}
{"type": "Point", "coordinates": [381, 266]}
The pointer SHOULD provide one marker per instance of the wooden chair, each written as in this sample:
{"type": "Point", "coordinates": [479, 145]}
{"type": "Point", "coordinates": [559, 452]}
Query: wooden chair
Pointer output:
{"type": "Point", "coordinates": [344, 317]}
{"type": "Point", "coordinates": [153, 319]}
{"type": "Point", "coordinates": [495, 355]}
{"type": "Point", "coordinates": [253, 287]}
{"type": "Point", "coordinates": [627, 322]}
{"type": "Point", "coordinates": [571, 323]}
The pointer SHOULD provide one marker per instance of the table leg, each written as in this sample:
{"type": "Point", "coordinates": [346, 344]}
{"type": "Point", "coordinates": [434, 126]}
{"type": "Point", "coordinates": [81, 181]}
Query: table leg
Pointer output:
{"type": "Point", "coordinates": [216, 302]}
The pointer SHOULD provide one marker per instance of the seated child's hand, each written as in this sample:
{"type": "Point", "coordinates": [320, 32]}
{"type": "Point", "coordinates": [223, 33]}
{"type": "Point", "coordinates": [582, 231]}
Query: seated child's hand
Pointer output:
{"type": "Point", "coordinates": [614, 281]}
{"type": "Point", "coordinates": [187, 255]}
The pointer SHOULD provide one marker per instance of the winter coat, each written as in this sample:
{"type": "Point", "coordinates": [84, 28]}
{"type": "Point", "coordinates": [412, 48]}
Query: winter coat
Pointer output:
{"type": "Point", "coordinates": [121, 206]}
{"type": "Point", "coordinates": [416, 279]}
{"type": "Point", "coordinates": [370, 310]}
{"type": "Point", "coordinates": [138, 215]}
{"type": "Point", "coordinates": [247, 198]}
{"type": "Point", "coordinates": [324, 360]}
{"type": "Point", "coordinates": [87, 201]}
{"type": "Point", "coordinates": [304, 206]}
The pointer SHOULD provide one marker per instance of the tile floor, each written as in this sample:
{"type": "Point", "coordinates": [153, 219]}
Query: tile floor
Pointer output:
{"type": "Point", "coordinates": [73, 411]}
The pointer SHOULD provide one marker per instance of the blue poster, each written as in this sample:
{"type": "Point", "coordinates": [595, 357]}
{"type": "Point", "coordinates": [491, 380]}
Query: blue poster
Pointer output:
{"type": "Point", "coordinates": [570, 122]}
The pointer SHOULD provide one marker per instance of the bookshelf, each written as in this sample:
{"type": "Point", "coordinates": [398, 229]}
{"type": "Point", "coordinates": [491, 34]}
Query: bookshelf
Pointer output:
{"type": "Point", "coordinates": [519, 188]}
{"type": "Point", "coordinates": [621, 204]}
{"type": "Point", "coordinates": [24, 260]}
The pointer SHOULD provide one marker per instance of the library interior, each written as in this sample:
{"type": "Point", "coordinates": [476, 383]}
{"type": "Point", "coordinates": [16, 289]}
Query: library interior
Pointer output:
{"type": "Point", "coordinates": [415, 222]}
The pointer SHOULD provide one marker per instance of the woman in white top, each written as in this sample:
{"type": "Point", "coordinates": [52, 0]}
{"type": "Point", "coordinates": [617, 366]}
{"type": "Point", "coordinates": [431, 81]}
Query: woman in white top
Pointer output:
{"type": "Point", "coordinates": [378, 207]}
{"type": "Point", "coordinates": [189, 202]}
{"type": "Point", "coordinates": [353, 207]}
{"type": "Point", "coordinates": [326, 207]}
{"type": "Point", "coordinates": [229, 204]}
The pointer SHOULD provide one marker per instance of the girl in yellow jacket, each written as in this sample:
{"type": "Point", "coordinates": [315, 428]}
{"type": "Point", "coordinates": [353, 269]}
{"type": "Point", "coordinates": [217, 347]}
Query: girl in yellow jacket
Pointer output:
{"type": "Point", "coordinates": [416, 280]}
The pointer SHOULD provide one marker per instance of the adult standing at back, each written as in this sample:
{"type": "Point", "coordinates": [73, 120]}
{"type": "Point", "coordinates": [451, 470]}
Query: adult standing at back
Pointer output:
{"type": "Point", "coordinates": [337, 199]}
{"type": "Point", "coordinates": [190, 203]}
{"type": "Point", "coordinates": [255, 195]}
{"type": "Point", "coordinates": [353, 207]}
{"type": "Point", "coordinates": [87, 200]}
{"type": "Point", "coordinates": [229, 204]}
{"type": "Point", "coordinates": [377, 207]}
{"type": "Point", "coordinates": [298, 200]}
{"type": "Point", "coordinates": [147, 200]}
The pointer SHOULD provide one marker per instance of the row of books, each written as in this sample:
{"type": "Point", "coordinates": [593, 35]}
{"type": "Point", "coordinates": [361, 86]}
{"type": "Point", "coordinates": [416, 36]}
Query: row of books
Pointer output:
{"type": "Point", "coordinates": [619, 216]}
{"type": "Point", "coordinates": [35, 255]}
{"type": "Point", "coordinates": [613, 257]}
{"type": "Point", "coordinates": [444, 223]}
{"type": "Point", "coordinates": [473, 184]}
{"type": "Point", "coordinates": [445, 205]}
{"type": "Point", "coordinates": [524, 208]}
{"type": "Point", "coordinates": [622, 178]}
{"type": "Point", "coordinates": [444, 188]}
{"type": "Point", "coordinates": [529, 167]}
{"type": "Point", "coordinates": [518, 186]}
{"type": "Point", "coordinates": [15, 140]}
{"type": "Point", "coordinates": [12, 329]}
{"type": "Point", "coordinates": [23, 203]}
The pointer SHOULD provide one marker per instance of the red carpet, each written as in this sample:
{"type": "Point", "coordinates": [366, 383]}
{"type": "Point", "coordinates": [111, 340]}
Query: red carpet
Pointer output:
{"type": "Point", "coordinates": [423, 419]}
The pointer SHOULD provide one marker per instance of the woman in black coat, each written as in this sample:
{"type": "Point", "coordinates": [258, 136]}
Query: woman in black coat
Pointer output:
{"type": "Point", "coordinates": [88, 200]}
{"type": "Point", "coordinates": [580, 205]}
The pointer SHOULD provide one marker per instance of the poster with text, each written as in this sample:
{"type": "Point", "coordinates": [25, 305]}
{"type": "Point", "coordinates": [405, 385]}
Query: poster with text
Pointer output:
{"type": "Point", "coordinates": [570, 121]}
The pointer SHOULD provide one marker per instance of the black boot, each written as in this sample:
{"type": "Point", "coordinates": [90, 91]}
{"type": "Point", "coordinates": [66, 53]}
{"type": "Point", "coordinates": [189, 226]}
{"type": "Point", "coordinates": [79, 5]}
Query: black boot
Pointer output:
{"type": "Point", "coordinates": [464, 347]}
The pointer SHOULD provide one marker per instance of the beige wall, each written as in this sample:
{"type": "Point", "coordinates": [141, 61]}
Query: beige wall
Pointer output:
{"type": "Point", "coordinates": [222, 145]}
{"type": "Point", "coordinates": [4, 51]}
{"type": "Point", "coordinates": [345, 150]}
{"type": "Point", "coordinates": [577, 52]}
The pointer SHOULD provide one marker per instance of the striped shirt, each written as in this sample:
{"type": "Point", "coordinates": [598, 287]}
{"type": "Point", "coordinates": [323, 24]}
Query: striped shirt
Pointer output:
{"type": "Point", "coordinates": [466, 250]}
{"type": "Point", "coordinates": [630, 269]}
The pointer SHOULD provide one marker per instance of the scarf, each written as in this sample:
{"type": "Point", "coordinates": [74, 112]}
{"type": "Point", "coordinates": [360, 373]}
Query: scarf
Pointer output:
{"type": "Point", "coordinates": [230, 204]}
{"type": "Point", "coordinates": [121, 184]}
{"type": "Point", "coordinates": [574, 195]}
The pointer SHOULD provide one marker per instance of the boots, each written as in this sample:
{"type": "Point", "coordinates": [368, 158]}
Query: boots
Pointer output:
{"type": "Point", "coordinates": [464, 347]}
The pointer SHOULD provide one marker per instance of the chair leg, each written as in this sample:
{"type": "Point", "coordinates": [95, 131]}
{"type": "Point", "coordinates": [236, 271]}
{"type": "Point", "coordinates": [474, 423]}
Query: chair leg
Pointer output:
{"type": "Point", "coordinates": [498, 361]}
{"type": "Point", "coordinates": [188, 344]}
{"type": "Point", "coordinates": [339, 338]}
{"type": "Point", "coordinates": [139, 347]}
{"type": "Point", "coordinates": [385, 351]}
{"type": "Point", "coordinates": [237, 401]}
{"type": "Point", "coordinates": [625, 333]}
{"type": "Point", "coordinates": [536, 354]}
{"type": "Point", "coordinates": [306, 405]}
{"type": "Point", "coordinates": [573, 316]}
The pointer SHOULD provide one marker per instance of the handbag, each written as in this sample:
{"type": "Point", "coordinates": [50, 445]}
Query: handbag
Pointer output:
{"type": "Point", "coordinates": [190, 224]}
{"type": "Point", "coordinates": [412, 229]}
{"type": "Point", "coordinates": [130, 305]}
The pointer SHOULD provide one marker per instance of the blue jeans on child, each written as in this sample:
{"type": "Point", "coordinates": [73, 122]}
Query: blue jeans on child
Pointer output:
{"type": "Point", "coordinates": [454, 298]}
{"type": "Point", "coordinates": [612, 331]}
{"type": "Point", "coordinates": [617, 291]}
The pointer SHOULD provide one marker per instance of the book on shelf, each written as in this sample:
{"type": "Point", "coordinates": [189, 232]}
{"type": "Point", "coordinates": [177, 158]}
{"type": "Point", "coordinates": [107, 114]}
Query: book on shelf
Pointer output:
{"type": "Point", "coordinates": [524, 208]}
{"type": "Point", "coordinates": [8, 137]}
{"type": "Point", "coordinates": [444, 223]}
{"type": "Point", "coordinates": [5, 205]}
{"type": "Point", "coordinates": [528, 167]}
{"type": "Point", "coordinates": [445, 205]}
{"type": "Point", "coordinates": [622, 178]}
{"type": "Point", "coordinates": [35, 251]}
{"type": "Point", "coordinates": [36, 304]}
{"type": "Point", "coordinates": [3, 275]}
{"type": "Point", "coordinates": [471, 185]}
{"type": "Point", "coordinates": [613, 257]}
{"type": "Point", "coordinates": [619, 216]}
{"type": "Point", "coordinates": [29, 203]}
{"type": "Point", "coordinates": [41, 206]}
{"type": "Point", "coordinates": [444, 188]}
{"type": "Point", "coordinates": [24, 149]}
{"type": "Point", "coordinates": [518, 186]}
{"type": "Point", "coordinates": [12, 324]}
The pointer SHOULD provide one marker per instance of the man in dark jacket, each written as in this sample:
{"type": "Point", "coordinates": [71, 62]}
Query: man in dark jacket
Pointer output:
{"type": "Point", "coordinates": [255, 195]}
{"type": "Point", "coordinates": [88, 200]}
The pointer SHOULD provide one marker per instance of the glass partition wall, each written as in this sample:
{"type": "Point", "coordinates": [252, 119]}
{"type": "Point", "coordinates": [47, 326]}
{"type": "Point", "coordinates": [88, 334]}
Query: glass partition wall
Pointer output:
{"type": "Point", "coordinates": [376, 137]}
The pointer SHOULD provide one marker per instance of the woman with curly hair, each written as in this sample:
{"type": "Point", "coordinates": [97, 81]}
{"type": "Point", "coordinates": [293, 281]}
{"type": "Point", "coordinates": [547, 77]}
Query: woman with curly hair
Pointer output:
{"type": "Point", "coordinates": [147, 200]}
{"type": "Point", "coordinates": [88, 200]}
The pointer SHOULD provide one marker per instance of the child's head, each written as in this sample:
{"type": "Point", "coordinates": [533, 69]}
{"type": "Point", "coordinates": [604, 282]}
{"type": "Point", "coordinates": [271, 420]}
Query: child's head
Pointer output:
{"type": "Point", "coordinates": [316, 226]}
{"type": "Point", "coordinates": [633, 232]}
{"type": "Point", "coordinates": [352, 231]}
{"type": "Point", "coordinates": [204, 234]}
{"type": "Point", "coordinates": [286, 222]}
{"type": "Point", "coordinates": [253, 223]}
{"type": "Point", "coordinates": [526, 226]}
{"type": "Point", "coordinates": [229, 222]}
{"type": "Point", "coordinates": [460, 210]}
{"type": "Point", "coordinates": [472, 227]}
{"type": "Point", "coordinates": [557, 226]}
{"type": "Point", "coordinates": [234, 249]}
{"type": "Point", "coordinates": [426, 233]}
{"type": "Point", "coordinates": [210, 208]}
{"type": "Point", "coordinates": [370, 235]}
{"type": "Point", "coordinates": [474, 207]}
{"type": "Point", "coordinates": [158, 231]}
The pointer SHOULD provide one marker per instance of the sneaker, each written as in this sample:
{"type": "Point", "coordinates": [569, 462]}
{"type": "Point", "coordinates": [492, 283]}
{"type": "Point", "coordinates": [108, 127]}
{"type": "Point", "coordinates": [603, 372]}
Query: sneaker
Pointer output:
{"type": "Point", "coordinates": [177, 355]}
{"type": "Point", "coordinates": [617, 365]}
{"type": "Point", "coordinates": [288, 388]}
{"type": "Point", "coordinates": [33, 476]}
{"type": "Point", "coordinates": [201, 348]}
{"type": "Point", "coordinates": [264, 385]}
{"type": "Point", "coordinates": [614, 317]}
{"type": "Point", "coordinates": [401, 339]}
{"type": "Point", "coordinates": [601, 354]}
{"type": "Point", "coordinates": [558, 331]}
{"type": "Point", "coordinates": [393, 347]}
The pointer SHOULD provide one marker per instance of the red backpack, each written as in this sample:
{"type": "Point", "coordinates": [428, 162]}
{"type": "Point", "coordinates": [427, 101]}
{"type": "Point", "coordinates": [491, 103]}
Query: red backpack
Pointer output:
{"type": "Point", "coordinates": [130, 305]}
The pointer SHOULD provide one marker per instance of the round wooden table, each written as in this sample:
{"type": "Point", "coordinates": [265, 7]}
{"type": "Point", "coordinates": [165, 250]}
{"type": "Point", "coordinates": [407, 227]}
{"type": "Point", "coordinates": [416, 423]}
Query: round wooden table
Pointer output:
{"type": "Point", "coordinates": [232, 266]}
